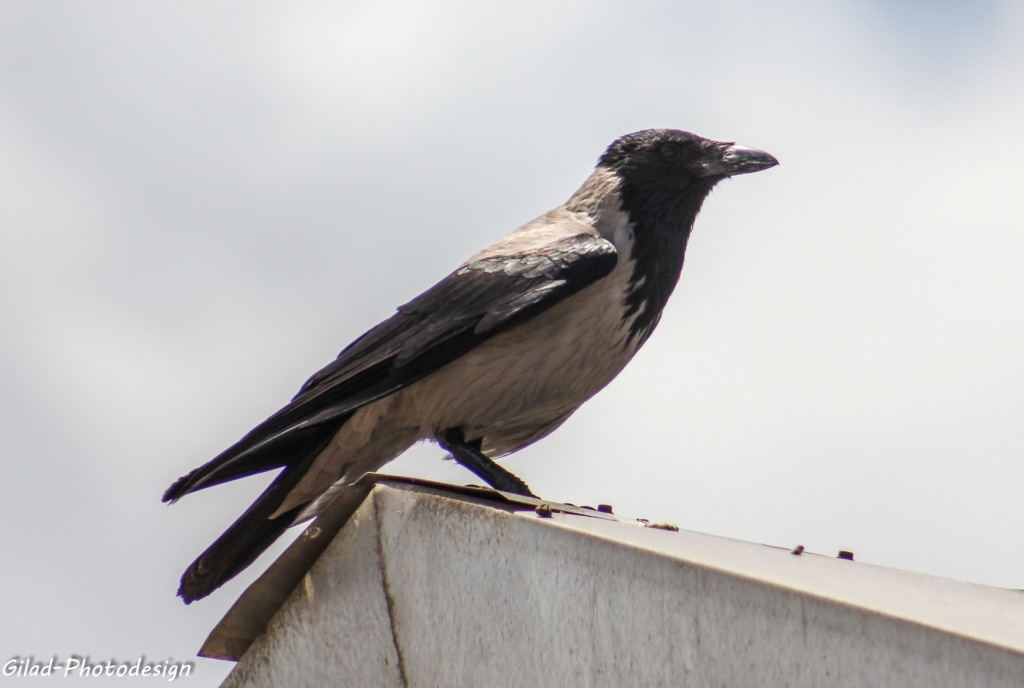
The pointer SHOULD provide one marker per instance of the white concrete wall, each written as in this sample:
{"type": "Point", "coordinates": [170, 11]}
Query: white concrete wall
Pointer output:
{"type": "Point", "coordinates": [423, 588]}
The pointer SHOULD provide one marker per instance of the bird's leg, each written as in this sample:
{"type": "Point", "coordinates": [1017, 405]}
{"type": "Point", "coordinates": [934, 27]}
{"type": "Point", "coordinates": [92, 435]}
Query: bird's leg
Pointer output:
{"type": "Point", "coordinates": [468, 454]}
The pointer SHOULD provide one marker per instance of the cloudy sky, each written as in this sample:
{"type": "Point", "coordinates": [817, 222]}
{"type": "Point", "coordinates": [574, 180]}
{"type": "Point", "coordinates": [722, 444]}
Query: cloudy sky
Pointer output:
{"type": "Point", "coordinates": [201, 203]}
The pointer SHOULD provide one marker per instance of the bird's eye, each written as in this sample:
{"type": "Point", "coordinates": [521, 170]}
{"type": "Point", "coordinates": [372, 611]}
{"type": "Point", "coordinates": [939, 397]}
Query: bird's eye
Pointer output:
{"type": "Point", "coordinates": [670, 151]}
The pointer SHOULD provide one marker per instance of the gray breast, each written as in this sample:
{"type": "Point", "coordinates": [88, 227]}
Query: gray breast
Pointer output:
{"type": "Point", "coordinates": [520, 385]}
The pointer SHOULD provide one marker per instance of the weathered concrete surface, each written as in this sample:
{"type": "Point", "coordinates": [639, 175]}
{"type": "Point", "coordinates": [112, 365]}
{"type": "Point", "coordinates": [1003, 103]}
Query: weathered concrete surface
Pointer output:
{"type": "Point", "coordinates": [423, 588]}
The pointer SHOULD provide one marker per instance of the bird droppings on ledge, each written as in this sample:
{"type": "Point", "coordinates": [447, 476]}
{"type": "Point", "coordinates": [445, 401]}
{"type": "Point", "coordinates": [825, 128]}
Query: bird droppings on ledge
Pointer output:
{"type": "Point", "coordinates": [307, 581]}
{"type": "Point", "coordinates": [663, 526]}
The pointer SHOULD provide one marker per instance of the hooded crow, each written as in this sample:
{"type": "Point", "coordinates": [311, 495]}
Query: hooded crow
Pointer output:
{"type": "Point", "coordinates": [490, 359]}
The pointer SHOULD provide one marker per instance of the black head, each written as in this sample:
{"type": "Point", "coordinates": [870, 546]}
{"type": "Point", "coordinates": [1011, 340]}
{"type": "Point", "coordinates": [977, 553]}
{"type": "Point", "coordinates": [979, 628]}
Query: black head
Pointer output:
{"type": "Point", "coordinates": [665, 175]}
{"type": "Point", "coordinates": [660, 161]}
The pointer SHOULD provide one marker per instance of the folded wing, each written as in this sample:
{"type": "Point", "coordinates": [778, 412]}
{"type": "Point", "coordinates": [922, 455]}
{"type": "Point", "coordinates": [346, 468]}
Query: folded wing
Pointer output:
{"type": "Point", "coordinates": [474, 303]}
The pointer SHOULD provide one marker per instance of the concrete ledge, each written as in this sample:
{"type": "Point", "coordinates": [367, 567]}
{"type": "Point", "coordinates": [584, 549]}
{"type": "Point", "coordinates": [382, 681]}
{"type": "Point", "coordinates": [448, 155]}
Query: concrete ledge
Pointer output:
{"type": "Point", "coordinates": [444, 586]}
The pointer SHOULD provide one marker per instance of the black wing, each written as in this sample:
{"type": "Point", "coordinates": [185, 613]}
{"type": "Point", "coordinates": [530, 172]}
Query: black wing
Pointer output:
{"type": "Point", "coordinates": [472, 304]}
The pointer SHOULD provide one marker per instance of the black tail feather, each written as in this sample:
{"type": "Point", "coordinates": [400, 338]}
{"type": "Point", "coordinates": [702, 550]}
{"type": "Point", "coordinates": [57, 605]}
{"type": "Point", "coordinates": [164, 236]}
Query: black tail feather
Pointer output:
{"type": "Point", "coordinates": [231, 553]}
{"type": "Point", "coordinates": [232, 464]}
{"type": "Point", "coordinates": [254, 531]}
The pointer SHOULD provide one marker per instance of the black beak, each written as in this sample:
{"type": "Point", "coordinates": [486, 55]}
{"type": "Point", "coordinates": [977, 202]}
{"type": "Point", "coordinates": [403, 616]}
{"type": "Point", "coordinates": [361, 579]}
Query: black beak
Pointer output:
{"type": "Point", "coordinates": [729, 160]}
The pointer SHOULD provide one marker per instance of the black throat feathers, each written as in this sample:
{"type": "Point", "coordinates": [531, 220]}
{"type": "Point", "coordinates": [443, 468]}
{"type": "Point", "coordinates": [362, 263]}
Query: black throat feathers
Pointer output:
{"type": "Point", "coordinates": [662, 221]}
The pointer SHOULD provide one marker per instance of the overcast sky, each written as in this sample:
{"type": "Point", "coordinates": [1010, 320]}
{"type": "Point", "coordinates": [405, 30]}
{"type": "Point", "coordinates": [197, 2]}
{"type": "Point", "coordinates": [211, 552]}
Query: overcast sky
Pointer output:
{"type": "Point", "coordinates": [202, 203]}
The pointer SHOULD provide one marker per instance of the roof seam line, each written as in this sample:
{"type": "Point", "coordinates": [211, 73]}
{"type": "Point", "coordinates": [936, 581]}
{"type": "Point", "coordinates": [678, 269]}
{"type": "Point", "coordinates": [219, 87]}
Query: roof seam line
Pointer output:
{"type": "Point", "coordinates": [386, 587]}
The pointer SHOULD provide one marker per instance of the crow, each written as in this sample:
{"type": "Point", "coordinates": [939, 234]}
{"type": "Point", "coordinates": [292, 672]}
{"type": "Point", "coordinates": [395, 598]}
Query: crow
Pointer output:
{"type": "Point", "coordinates": [493, 357]}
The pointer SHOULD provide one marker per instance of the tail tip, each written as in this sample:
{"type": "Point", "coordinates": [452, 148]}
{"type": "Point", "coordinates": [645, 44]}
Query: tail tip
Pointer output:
{"type": "Point", "coordinates": [179, 489]}
{"type": "Point", "coordinates": [195, 586]}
